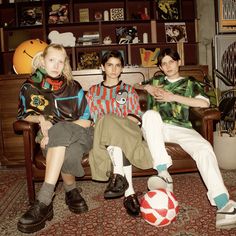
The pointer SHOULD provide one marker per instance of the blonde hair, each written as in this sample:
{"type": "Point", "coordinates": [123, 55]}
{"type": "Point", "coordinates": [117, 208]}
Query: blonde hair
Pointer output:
{"type": "Point", "coordinates": [37, 60]}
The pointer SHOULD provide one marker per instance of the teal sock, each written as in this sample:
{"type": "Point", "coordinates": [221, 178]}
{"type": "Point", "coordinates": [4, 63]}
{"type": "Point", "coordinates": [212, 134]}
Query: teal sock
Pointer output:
{"type": "Point", "coordinates": [221, 200]}
{"type": "Point", "coordinates": [161, 168]}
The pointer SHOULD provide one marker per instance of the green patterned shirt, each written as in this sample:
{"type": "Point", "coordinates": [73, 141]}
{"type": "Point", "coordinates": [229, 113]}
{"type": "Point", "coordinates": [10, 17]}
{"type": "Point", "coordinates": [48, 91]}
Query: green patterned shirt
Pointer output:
{"type": "Point", "coordinates": [173, 112]}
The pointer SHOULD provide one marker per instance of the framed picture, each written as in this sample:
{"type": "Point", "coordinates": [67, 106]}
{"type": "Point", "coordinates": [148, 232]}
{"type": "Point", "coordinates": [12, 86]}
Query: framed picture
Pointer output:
{"type": "Point", "coordinates": [116, 14]}
{"type": "Point", "coordinates": [88, 60]}
{"type": "Point", "coordinates": [227, 16]}
{"type": "Point", "coordinates": [176, 32]}
{"type": "Point", "coordinates": [168, 10]}
{"type": "Point", "coordinates": [225, 63]}
{"type": "Point", "coordinates": [58, 14]}
{"type": "Point", "coordinates": [149, 56]}
{"type": "Point", "coordinates": [31, 16]}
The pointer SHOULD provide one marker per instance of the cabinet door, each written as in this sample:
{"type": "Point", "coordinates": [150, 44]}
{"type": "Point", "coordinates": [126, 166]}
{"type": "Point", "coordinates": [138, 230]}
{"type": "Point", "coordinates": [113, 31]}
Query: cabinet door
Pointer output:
{"type": "Point", "coordinates": [11, 144]}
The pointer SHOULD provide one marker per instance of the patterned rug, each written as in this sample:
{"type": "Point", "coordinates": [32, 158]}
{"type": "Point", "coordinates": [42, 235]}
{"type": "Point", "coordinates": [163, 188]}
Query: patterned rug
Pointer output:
{"type": "Point", "coordinates": [108, 217]}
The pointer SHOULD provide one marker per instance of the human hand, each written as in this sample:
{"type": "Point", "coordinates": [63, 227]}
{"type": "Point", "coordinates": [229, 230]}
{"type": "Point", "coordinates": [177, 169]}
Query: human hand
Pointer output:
{"type": "Point", "coordinates": [162, 95]}
{"type": "Point", "coordinates": [44, 142]}
{"type": "Point", "coordinates": [45, 125]}
{"type": "Point", "coordinates": [151, 89]}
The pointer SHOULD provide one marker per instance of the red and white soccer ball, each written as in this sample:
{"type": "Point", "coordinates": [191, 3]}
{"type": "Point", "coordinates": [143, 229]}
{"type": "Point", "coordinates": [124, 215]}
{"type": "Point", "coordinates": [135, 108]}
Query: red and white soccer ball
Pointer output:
{"type": "Point", "coordinates": [159, 207]}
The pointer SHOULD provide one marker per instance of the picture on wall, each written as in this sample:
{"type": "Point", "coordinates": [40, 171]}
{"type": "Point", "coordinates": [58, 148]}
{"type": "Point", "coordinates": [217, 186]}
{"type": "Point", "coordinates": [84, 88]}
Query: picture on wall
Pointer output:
{"type": "Point", "coordinates": [227, 16]}
{"type": "Point", "coordinates": [168, 10]}
{"type": "Point", "coordinates": [176, 32]}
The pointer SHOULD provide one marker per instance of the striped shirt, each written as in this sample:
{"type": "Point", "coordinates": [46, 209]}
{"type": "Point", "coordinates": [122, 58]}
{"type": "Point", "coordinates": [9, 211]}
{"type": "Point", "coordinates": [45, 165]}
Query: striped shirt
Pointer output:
{"type": "Point", "coordinates": [121, 100]}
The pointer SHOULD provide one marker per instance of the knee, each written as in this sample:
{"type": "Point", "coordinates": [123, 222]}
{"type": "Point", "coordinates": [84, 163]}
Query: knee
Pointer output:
{"type": "Point", "coordinates": [56, 129]}
{"type": "Point", "coordinates": [151, 116]}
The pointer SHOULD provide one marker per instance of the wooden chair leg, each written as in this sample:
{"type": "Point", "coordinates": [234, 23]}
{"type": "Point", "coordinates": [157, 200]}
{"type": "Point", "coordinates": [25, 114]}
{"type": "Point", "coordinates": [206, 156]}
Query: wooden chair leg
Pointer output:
{"type": "Point", "coordinates": [31, 190]}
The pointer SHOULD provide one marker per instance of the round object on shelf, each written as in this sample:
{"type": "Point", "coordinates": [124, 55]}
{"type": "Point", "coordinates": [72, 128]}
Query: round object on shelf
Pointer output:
{"type": "Point", "coordinates": [25, 53]}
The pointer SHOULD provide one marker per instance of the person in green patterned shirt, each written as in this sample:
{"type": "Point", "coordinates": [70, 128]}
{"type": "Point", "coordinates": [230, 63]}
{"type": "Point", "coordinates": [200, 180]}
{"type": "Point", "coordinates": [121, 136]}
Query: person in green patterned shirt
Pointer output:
{"type": "Point", "coordinates": [170, 97]}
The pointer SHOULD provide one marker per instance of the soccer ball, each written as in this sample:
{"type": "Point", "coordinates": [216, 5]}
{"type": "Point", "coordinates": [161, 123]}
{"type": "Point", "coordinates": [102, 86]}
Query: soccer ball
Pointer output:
{"type": "Point", "coordinates": [159, 207]}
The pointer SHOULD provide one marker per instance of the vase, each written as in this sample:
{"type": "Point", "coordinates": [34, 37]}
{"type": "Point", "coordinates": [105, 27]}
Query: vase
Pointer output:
{"type": "Point", "coordinates": [225, 150]}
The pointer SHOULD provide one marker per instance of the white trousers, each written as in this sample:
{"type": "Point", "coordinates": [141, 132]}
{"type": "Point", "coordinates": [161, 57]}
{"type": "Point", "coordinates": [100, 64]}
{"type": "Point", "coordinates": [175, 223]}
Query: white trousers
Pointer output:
{"type": "Point", "coordinates": [156, 133]}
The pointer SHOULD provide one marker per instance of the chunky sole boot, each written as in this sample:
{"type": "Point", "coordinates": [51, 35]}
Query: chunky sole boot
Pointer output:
{"type": "Point", "coordinates": [75, 201]}
{"type": "Point", "coordinates": [35, 218]}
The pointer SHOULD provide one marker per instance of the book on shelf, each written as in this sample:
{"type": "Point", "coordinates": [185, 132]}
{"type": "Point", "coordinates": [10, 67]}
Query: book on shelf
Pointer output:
{"type": "Point", "coordinates": [58, 14]}
{"type": "Point", "coordinates": [91, 34]}
{"type": "Point", "coordinates": [89, 38]}
{"type": "Point", "coordinates": [84, 15]}
{"type": "Point", "coordinates": [87, 41]}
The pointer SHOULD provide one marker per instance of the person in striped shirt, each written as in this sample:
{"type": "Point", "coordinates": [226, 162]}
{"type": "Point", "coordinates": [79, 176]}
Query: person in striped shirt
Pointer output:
{"type": "Point", "coordinates": [118, 142]}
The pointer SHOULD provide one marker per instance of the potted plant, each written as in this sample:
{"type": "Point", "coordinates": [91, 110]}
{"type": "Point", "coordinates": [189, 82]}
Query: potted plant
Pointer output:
{"type": "Point", "coordinates": [225, 134]}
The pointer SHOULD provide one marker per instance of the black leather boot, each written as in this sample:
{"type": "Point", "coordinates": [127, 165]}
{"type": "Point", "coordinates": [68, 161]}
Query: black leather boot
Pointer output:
{"type": "Point", "coordinates": [34, 219]}
{"type": "Point", "coordinates": [116, 187]}
{"type": "Point", "coordinates": [75, 201]}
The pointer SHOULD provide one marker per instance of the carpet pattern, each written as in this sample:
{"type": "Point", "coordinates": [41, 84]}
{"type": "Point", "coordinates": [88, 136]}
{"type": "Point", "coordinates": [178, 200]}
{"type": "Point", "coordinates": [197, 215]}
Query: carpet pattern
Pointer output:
{"type": "Point", "coordinates": [108, 217]}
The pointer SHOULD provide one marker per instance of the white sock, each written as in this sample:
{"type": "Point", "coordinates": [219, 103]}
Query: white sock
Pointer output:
{"type": "Point", "coordinates": [128, 176]}
{"type": "Point", "coordinates": [116, 156]}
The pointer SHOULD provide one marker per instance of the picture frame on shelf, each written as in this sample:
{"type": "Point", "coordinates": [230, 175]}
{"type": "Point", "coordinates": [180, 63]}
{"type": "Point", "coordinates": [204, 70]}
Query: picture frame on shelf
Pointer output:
{"type": "Point", "coordinates": [227, 16]}
{"type": "Point", "coordinates": [31, 15]}
{"type": "Point", "coordinates": [176, 32]}
{"type": "Point", "coordinates": [84, 15]}
{"type": "Point", "coordinates": [168, 10]}
{"type": "Point", "coordinates": [149, 56]}
{"type": "Point", "coordinates": [58, 14]}
{"type": "Point", "coordinates": [117, 14]}
{"type": "Point", "coordinates": [88, 60]}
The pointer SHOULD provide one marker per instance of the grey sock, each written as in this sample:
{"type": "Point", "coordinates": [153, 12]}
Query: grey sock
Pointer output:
{"type": "Point", "coordinates": [46, 193]}
{"type": "Point", "coordinates": [68, 188]}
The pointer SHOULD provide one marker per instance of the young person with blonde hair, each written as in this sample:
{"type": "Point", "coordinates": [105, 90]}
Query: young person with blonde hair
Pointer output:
{"type": "Point", "coordinates": [57, 103]}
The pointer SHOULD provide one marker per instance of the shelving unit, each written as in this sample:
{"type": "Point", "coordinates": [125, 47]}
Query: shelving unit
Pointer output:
{"type": "Point", "coordinates": [13, 33]}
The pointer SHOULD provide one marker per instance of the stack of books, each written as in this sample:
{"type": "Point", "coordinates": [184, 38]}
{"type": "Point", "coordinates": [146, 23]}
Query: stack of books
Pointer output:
{"type": "Point", "coordinates": [89, 38]}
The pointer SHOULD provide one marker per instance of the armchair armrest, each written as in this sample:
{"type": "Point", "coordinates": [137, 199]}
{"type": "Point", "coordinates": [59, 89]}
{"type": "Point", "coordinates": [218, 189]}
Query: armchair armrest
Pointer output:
{"type": "Point", "coordinates": [29, 131]}
{"type": "Point", "coordinates": [203, 121]}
